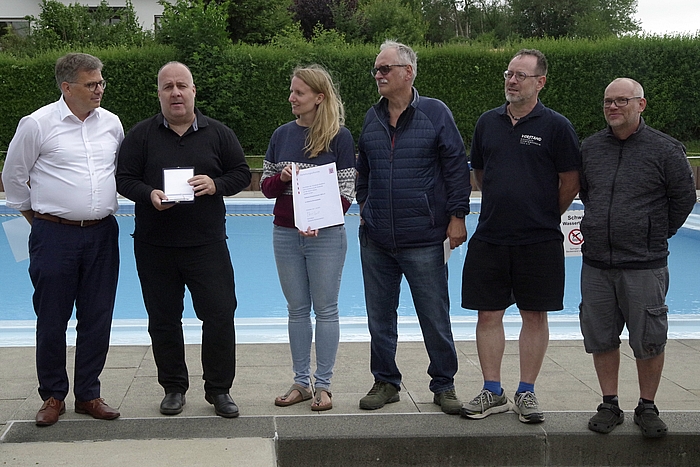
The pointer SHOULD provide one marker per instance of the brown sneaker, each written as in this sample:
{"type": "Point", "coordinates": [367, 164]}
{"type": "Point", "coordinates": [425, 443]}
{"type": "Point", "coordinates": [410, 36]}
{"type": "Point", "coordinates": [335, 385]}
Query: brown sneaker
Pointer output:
{"type": "Point", "coordinates": [49, 412]}
{"type": "Point", "coordinates": [97, 408]}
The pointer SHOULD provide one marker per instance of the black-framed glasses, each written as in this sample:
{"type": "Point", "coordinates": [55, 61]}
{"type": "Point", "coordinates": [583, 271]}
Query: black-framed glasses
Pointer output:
{"type": "Point", "coordinates": [619, 102]}
{"type": "Point", "coordinates": [92, 85]}
{"type": "Point", "coordinates": [384, 69]}
{"type": "Point", "coordinates": [519, 75]}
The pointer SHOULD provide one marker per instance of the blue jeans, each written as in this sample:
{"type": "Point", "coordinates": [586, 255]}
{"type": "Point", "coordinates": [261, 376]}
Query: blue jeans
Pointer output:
{"type": "Point", "coordinates": [426, 273]}
{"type": "Point", "coordinates": [309, 270]}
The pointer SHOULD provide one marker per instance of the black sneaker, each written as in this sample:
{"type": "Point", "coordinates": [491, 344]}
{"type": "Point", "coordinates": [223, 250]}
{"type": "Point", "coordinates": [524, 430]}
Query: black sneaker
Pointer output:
{"type": "Point", "coordinates": [607, 418]}
{"type": "Point", "coordinates": [647, 417]}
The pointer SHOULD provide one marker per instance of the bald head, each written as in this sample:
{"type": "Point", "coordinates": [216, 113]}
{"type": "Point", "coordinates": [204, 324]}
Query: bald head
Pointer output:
{"type": "Point", "coordinates": [174, 65]}
{"type": "Point", "coordinates": [635, 88]}
{"type": "Point", "coordinates": [623, 106]}
{"type": "Point", "coordinates": [176, 92]}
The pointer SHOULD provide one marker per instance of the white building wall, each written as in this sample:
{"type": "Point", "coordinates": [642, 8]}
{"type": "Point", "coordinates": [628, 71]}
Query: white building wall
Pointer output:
{"type": "Point", "coordinates": [146, 10]}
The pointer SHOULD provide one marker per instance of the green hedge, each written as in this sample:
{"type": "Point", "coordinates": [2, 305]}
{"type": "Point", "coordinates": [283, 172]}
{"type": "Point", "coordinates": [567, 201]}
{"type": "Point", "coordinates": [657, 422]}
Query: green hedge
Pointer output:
{"type": "Point", "coordinates": [131, 90]}
{"type": "Point", "coordinates": [247, 86]}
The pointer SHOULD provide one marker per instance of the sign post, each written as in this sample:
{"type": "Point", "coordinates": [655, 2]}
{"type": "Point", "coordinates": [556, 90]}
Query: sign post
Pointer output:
{"type": "Point", "coordinates": [571, 228]}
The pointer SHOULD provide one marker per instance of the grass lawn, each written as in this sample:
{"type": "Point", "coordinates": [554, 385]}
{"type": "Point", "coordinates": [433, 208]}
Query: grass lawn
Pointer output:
{"type": "Point", "coordinates": [693, 148]}
{"type": "Point", "coordinates": [255, 162]}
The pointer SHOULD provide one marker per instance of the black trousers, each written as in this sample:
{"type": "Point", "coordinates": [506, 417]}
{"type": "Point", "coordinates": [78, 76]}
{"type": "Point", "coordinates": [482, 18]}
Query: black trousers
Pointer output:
{"type": "Point", "coordinates": [73, 266]}
{"type": "Point", "coordinates": [206, 271]}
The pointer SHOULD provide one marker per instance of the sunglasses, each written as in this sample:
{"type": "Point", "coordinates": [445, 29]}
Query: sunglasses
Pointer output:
{"type": "Point", "coordinates": [384, 69]}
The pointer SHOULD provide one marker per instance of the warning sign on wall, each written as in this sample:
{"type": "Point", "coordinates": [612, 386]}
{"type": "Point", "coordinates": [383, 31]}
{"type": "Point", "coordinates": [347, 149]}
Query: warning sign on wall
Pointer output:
{"type": "Point", "coordinates": [571, 228]}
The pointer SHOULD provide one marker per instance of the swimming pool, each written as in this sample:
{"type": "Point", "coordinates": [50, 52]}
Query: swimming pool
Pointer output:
{"type": "Point", "coordinates": [261, 313]}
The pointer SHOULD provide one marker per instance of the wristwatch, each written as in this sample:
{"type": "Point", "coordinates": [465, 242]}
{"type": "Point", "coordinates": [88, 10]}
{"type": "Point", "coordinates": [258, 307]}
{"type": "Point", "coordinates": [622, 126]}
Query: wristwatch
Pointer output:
{"type": "Point", "coordinates": [459, 214]}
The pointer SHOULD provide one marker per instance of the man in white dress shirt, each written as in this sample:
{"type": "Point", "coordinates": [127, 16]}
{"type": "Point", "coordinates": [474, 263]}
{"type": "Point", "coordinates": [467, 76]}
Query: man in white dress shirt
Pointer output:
{"type": "Point", "coordinates": [59, 173]}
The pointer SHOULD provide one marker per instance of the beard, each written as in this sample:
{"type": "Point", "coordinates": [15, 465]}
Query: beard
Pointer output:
{"type": "Point", "coordinates": [518, 98]}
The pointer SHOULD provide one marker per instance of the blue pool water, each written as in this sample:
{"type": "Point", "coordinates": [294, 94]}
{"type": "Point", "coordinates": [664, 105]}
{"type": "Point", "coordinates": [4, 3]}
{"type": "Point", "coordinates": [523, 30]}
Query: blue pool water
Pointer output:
{"type": "Point", "coordinates": [261, 313]}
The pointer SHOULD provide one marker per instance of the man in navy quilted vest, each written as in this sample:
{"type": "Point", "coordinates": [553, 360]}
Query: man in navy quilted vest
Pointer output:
{"type": "Point", "coordinates": [413, 190]}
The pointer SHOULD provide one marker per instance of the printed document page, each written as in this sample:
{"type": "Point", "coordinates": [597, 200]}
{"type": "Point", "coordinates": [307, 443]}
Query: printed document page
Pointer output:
{"type": "Point", "coordinates": [316, 197]}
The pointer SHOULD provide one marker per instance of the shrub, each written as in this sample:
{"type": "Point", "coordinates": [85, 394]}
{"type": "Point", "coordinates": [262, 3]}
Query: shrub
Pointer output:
{"type": "Point", "coordinates": [247, 86]}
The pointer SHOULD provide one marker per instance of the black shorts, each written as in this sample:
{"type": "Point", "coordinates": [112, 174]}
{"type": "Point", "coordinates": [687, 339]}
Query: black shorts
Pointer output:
{"type": "Point", "coordinates": [497, 276]}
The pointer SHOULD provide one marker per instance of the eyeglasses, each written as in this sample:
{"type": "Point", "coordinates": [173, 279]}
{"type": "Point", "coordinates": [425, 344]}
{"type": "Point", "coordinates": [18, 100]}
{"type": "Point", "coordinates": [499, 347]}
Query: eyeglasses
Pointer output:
{"type": "Point", "coordinates": [519, 75]}
{"type": "Point", "coordinates": [619, 102]}
{"type": "Point", "coordinates": [384, 69]}
{"type": "Point", "coordinates": [92, 86]}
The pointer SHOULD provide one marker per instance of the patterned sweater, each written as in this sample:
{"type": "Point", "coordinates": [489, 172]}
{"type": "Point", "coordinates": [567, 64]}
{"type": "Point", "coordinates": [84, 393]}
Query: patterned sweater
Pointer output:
{"type": "Point", "coordinates": [287, 146]}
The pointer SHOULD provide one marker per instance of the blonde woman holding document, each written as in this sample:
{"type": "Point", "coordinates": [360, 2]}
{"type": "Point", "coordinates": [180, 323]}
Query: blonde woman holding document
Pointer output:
{"type": "Point", "coordinates": [310, 263]}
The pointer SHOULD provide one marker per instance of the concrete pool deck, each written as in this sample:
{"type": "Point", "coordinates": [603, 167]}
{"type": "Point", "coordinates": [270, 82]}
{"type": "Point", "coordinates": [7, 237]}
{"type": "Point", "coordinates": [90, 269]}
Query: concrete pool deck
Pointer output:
{"type": "Point", "coordinates": [410, 432]}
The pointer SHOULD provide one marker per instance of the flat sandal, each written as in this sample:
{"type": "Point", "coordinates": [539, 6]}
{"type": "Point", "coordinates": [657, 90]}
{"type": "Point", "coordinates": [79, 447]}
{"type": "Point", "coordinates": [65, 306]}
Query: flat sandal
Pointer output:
{"type": "Point", "coordinates": [304, 395]}
{"type": "Point", "coordinates": [318, 400]}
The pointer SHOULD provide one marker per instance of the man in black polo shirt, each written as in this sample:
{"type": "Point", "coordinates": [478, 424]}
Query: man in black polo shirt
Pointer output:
{"type": "Point", "coordinates": [526, 161]}
{"type": "Point", "coordinates": [178, 245]}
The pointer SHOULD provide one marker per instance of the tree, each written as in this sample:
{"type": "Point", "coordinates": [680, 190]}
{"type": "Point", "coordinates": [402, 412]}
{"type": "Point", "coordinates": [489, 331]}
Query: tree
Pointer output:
{"type": "Point", "coordinates": [345, 21]}
{"type": "Point", "coordinates": [77, 26]}
{"type": "Point", "coordinates": [309, 13]}
{"type": "Point", "coordinates": [390, 19]}
{"type": "Point", "coordinates": [188, 24]}
{"type": "Point", "coordinates": [611, 17]}
{"type": "Point", "coordinates": [494, 16]}
{"type": "Point", "coordinates": [443, 23]}
{"type": "Point", "coordinates": [574, 18]}
{"type": "Point", "coordinates": [197, 30]}
{"type": "Point", "coordinates": [466, 19]}
{"type": "Point", "coordinates": [257, 21]}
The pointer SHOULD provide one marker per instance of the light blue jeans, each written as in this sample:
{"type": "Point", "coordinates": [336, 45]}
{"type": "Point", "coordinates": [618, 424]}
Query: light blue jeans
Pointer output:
{"type": "Point", "coordinates": [309, 270]}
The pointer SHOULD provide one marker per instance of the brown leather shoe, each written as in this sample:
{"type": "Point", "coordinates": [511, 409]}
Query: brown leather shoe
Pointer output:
{"type": "Point", "coordinates": [97, 408]}
{"type": "Point", "coordinates": [49, 412]}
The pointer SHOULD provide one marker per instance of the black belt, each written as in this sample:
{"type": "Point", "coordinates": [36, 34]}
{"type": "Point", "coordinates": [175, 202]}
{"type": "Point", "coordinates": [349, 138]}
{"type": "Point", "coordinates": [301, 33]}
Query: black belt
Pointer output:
{"type": "Point", "coordinates": [60, 220]}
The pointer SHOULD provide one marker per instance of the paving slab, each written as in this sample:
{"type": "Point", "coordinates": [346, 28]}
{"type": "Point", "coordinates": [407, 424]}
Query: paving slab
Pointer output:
{"type": "Point", "coordinates": [412, 431]}
{"type": "Point", "coordinates": [233, 452]}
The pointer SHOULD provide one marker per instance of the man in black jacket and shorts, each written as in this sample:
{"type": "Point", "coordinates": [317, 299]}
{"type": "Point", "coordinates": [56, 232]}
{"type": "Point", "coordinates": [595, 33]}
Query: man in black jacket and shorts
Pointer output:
{"type": "Point", "coordinates": [637, 187]}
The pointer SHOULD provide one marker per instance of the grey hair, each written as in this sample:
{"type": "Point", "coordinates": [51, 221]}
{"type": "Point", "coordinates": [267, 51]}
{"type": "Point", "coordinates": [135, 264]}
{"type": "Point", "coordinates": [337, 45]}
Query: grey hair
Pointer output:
{"type": "Point", "coordinates": [68, 67]}
{"type": "Point", "coordinates": [637, 88]}
{"type": "Point", "coordinates": [541, 66]}
{"type": "Point", "coordinates": [405, 54]}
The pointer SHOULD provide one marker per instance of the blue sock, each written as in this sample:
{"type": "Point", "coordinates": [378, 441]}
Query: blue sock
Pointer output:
{"type": "Point", "coordinates": [494, 387]}
{"type": "Point", "coordinates": [524, 387]}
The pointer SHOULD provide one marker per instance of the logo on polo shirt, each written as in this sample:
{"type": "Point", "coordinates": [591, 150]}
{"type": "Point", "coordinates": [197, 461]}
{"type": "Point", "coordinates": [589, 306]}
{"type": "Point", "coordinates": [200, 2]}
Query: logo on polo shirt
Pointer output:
{"type": "Point", "coordinates": [530, 140]}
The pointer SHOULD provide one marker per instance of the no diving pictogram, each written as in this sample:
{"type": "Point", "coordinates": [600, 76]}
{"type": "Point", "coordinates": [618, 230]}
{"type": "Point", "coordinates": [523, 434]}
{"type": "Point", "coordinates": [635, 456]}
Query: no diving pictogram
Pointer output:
{"type": "Point", "coordinates": [575, 237]}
